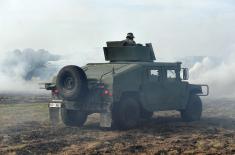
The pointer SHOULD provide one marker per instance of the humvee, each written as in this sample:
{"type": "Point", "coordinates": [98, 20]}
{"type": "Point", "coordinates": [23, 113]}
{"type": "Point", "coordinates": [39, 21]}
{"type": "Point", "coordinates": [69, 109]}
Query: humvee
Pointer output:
{"type": "Point", "coordinates": [128, 88]}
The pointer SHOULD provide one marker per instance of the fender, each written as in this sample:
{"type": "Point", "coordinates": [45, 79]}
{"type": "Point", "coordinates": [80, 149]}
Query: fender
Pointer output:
{"type": "Point", "coordinates": [197, 89]}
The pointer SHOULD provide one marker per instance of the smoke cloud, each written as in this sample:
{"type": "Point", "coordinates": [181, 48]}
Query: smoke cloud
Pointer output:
{"type": "Point", "coordinates": [23, 70]}
{"type": "Point", "coordinates": [79, 29]}
{"type": "Point", "coordinates": [217, 73]}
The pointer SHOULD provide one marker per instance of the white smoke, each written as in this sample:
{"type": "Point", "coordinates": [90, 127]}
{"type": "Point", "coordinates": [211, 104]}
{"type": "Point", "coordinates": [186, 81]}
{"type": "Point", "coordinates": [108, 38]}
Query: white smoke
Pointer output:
{"type": "Point", "coordinates": [220, 76]}
{"type": "Point", "coordinates": [21, 71]}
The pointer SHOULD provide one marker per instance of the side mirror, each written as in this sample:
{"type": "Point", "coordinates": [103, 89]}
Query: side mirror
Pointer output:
{"type": "Point", "coordinates": [185, 74]}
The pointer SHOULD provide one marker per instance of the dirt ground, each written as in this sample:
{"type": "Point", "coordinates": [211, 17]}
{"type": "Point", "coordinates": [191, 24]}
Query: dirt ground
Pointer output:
{"type": "Point", "coordinates": [25, 129]}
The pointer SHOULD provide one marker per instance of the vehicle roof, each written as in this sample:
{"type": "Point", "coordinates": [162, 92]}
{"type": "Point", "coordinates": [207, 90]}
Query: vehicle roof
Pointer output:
{"type": "Point", "coordinates": [140, 63]}
{"type": "Point", "coordinates": [98, 70]}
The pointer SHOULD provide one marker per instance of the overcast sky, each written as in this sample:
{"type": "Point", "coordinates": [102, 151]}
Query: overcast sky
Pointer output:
{"type": "Point", "coordinates": [175, 27]}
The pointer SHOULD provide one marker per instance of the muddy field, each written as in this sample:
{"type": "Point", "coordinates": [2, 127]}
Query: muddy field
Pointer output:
{"type": "Point", "coordinates": [25, 129]}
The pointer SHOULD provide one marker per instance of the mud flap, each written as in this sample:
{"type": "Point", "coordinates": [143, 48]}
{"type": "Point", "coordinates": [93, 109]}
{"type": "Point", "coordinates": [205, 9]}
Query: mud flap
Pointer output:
{"type": "Point", "coordinates": [54, 112]}
{"type": "Point", "coordinates": [106, 117]}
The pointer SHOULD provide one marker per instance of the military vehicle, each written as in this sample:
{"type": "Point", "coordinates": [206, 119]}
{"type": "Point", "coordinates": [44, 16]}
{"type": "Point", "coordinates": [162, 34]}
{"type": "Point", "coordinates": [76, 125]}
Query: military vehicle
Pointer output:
{"type": "Point", "coordinates": [128, 88]}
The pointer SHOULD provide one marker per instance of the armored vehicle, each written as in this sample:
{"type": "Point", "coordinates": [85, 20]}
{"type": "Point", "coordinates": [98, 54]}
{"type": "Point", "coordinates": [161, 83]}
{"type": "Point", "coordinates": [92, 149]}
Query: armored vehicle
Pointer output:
{"type": "Point", "coordinates": [128, 88]}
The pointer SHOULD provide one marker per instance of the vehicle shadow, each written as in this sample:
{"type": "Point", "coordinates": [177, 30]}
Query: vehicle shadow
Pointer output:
{"type": "Point", "coordinates": [167, 124]}
{"type": "Point", "coordinates": [174, 122]}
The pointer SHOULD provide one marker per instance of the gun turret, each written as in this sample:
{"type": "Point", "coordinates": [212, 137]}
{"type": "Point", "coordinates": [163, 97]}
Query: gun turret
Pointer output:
{"type": "Point", "coordinates": [115, 51]}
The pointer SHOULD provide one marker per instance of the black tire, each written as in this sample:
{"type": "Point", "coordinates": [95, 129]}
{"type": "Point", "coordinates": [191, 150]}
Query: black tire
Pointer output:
{"type": "Point", "coordinates": [73, 117]}
{"type": "Point", "coordinates": [126, 113]}
{"type": "Point", "coordinates": [145, 114]}
{"type": "Point", "coordinates": [193, 109]}
{"type": "Point", "coordinates": [71, 83]}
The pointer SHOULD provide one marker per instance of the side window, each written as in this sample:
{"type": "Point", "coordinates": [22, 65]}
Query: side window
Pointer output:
{"type": "Point", "coordinates": [171, 74]}
{"type": "Point", "coordinates": [154, 75]}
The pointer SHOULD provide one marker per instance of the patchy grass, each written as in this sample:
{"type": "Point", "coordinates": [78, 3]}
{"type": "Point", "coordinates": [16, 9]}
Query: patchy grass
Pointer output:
{"type": "Point", "coordinates": [26, 131]}
{"type": "Point", "coordinates": [221, 108]}
{"type": "Point", "coordinates": [12, 114]}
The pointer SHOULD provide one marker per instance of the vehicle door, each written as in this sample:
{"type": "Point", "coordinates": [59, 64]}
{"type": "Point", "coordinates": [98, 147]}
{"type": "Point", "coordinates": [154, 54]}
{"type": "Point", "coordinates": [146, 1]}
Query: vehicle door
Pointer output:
{"type": "Point", "coordinates": [174, 90]}
{"type": "Point", "coordinates": [152, 89]}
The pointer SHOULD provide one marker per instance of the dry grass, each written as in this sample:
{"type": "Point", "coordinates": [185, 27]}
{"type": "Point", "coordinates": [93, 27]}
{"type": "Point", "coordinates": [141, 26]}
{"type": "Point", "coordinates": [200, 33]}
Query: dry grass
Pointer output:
{"type": "Point", "coordinates": [13, 114]}
{"type": "Point", "coordinates": [26, 131]}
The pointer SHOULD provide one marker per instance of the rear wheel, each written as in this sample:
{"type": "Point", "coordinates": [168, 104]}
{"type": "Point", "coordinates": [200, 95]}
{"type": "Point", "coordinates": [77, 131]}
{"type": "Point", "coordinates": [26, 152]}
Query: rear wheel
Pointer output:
{"type": "Point", "coordinates": [193, 109]}
{"type": "Point", "coordinates": [126, 113]}
{"type": "Point", "coordinates": [145, 114]}
{"type": "Point", "coordinates": [73, 117]}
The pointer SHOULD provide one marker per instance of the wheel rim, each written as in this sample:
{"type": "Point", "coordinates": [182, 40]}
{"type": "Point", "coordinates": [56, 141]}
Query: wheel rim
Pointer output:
{"type": "Point", "coordinates": [68, 81]}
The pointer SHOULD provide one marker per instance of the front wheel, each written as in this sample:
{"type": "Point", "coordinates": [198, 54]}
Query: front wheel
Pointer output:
{"type": "Point", "coordinates": [73, 117]}
{"type": "Point", "coordinates": [193, 110]}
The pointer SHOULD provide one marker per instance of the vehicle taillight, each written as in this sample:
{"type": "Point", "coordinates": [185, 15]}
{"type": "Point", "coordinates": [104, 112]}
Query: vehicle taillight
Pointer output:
{"type": "Point", "coordinates": [106, 92]}
{"type": "Point", "coordinates": [54, 91]}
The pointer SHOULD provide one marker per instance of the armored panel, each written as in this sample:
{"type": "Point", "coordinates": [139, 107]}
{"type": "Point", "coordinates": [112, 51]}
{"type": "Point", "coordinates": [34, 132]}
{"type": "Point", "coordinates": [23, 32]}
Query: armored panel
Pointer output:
{"type": "Point", "coordinates": [115, 43]}
{"type": "Point", "coordinates": [129, 53]}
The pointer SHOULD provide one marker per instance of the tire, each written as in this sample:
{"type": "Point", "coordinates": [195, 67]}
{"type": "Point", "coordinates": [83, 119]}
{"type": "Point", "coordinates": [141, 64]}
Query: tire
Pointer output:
{"type": "Point", "coordinates": [145, 114]}
{"type": "Point", "coordinates": [126, 113]}
{"type": "Point", "coordinates": [71, 83]}
{"type": "Point", "coordinates": [193, 109]}
{"type": "Point", "coordinates": [73, 117]}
